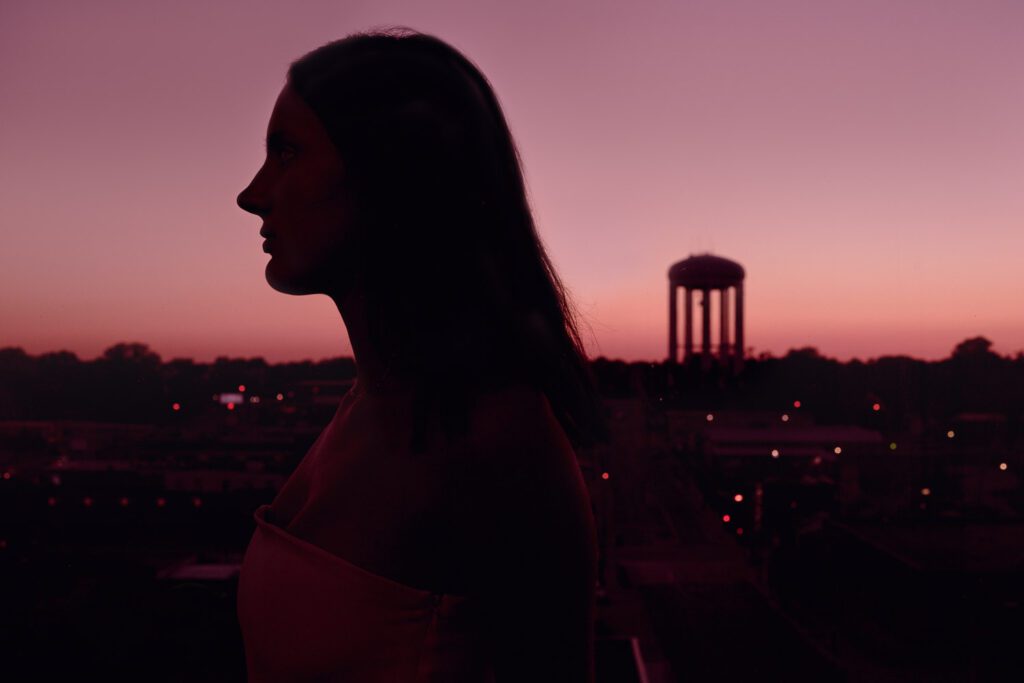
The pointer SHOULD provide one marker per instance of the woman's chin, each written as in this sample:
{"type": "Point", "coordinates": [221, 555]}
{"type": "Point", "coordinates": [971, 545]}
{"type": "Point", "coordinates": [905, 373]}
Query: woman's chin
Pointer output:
{"type": "Point", "coordinates": [285, 283]}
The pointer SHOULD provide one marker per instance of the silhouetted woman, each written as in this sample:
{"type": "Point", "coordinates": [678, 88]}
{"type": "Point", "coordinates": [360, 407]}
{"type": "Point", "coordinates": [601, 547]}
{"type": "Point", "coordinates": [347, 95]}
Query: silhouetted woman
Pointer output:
{"type": "Point", "coordinates": [439, 529]}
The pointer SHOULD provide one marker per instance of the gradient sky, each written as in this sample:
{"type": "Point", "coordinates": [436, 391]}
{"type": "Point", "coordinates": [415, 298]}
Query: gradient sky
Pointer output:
{"type": "Point", "coordinates": [863, 160]}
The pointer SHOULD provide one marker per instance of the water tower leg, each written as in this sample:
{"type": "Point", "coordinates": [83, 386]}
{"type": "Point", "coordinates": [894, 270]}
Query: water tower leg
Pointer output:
{"type": "Point", "coordinates": [688, 322]}
{"type": "Point", "coordinates": [673, 344]}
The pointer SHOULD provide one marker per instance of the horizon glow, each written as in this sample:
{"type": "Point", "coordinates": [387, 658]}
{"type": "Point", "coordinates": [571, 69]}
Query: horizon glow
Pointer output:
{"type": "Point", "coordinates": [862, 161]}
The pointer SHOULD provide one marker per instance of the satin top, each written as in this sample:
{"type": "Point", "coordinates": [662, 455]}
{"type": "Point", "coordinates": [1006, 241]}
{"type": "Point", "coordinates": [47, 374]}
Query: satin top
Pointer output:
{"type": "Point", "coordinates": [309, 615]}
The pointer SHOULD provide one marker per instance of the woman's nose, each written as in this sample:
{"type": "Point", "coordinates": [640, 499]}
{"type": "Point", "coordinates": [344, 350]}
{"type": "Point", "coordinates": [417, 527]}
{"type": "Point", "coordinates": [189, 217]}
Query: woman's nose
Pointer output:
{"type": "Point", "coordinates": [248, 200]}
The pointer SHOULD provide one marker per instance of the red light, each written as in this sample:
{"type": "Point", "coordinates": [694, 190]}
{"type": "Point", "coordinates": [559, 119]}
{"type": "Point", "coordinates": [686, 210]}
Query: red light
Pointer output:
{"type": "Point", "coordinates": [738, 497]}
{"type": "Point", "coordinates": [7, 475]}
{"type": "Point", "coordinates": [876, 407]}
{"type": "Point", "coordinates": [160, 502]}
{"type": "Point", "coordinates": [739, 531]}
{"type": "Point", "coordinates": [124, 502]}
{"type": "Point", "coordinates": [241, 387]}
{"type": "Point", "coordinates": [197, 501]}
{"type": "Point", "coordinates": [604, 475]}
{"type": "Point", "coordinates": [176, 406]}
{"type": "Point", "coordinates": [3, 544]}
{"type": "Point", "coordinates": [231, 406]}
{"type": "Point", "coordinates": [796, 404]}
{"type": "Point", "coordinates": [87, 502]}
{"type": "Point", "coordinates": [726, 518]}
{"type": "Point", "coordinates": [51, 501]}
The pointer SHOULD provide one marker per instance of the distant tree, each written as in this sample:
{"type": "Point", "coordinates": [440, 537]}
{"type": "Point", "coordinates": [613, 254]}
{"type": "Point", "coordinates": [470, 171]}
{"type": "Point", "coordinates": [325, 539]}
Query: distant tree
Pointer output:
{"type": "Point", "coordinates": [128, 383]}
{"type": "Point", "coordinates": [809, 352]}
{"type": "Point", "coordinates": [134, 353]}
{"type": "Point", "coordinates": [59, 358]}
{"type": "Point", "coordinates": [16, 378]}
{"type": "Point", "coordinates": [979, 379]}
{"type": "Point", "coordinates": [974, 347]}
{"type": "Point", "coordinates": [13, 359]}
{"type": "Point", "coordinates": [9, 352]}
{"type": "Point", "coordinates": [226, 373]}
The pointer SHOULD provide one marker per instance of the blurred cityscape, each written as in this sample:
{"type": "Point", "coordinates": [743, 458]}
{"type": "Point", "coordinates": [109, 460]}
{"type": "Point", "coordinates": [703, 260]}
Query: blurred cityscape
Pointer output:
{"type": "Point", "coordinates": [797, 519]}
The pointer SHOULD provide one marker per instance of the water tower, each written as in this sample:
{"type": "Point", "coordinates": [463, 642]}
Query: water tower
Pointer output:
{"type": "Point", "coordinates": [706, 273]}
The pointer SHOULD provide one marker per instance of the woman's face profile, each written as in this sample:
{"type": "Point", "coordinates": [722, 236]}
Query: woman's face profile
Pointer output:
{"type": "Point", "coordinates": [301, 195]}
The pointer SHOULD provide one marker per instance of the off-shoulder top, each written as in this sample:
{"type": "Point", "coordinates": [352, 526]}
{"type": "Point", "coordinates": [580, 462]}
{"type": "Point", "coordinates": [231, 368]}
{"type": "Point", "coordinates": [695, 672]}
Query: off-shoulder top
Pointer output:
{"type": "Point", "coordinates": [306, 614]}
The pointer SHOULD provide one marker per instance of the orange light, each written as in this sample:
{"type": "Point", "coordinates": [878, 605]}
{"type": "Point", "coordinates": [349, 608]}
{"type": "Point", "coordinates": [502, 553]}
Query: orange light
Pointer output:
{"type": "Point", "coordinates": [241, 387]}
{"type": "Point", "coordinates": [785, 418]}
{"type": "Point", "coordinates": [280, 397]}
{"type": "Point", "coordinates": [726, 518]}
{"type": "Point", "coordinates": [604, 475]}
{"type": "Point", "coordinates": [950, 434]}
{"type": "Point", "coordinates": [775, 452]}
{"type": "Point", "coordinates": [926, 491]}
{"type": "Point", "coordinates": [231, 406]}
{"type": "Point", "coordinates": [175, 406]}
{"type": "Point", "coordinates": [710, 417]}
{"type": "Point", "coordinates": [876, 407]}
{"type": "Point", "coordinates": [796, 404]}
{"type": "Point", "coordinates": [817, 460]}
{"type": "Point", "coordinates": [738, 497]}
{"type": "Point", "coordinates": [1002, 466]}
{"type": "Point", "coordinates": [837, 450]}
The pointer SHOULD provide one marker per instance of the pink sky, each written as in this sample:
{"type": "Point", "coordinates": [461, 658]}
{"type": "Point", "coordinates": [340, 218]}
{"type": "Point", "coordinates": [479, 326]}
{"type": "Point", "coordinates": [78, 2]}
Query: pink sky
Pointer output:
{"type": "Point", "coordinates": [863, 160]}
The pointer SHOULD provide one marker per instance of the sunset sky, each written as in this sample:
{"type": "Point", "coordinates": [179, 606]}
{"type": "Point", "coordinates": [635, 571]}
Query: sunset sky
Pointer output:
{"type": "Point", "coordinates": [863, 160]}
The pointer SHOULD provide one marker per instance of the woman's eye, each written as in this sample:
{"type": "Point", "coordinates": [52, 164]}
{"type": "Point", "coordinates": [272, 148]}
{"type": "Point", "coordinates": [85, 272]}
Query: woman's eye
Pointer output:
{"type": "Point", "coordinates": [280, 152]}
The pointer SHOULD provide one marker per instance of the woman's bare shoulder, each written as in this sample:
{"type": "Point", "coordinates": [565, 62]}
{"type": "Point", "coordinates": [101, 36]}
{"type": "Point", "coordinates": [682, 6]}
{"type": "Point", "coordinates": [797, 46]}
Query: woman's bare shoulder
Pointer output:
{"type": "Point", "coordinates": [519, 445]}
{"type": "Point", "coordinates": [536, 544]}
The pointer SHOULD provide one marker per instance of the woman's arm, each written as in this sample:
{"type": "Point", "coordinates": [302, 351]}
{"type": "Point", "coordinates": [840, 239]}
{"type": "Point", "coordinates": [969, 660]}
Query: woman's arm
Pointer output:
{"type": "Point", "coordinates": [539, 546]}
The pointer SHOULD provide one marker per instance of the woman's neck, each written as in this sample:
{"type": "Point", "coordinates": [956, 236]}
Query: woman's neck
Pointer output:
{"type": "Point", "coordinates": [375, 375]}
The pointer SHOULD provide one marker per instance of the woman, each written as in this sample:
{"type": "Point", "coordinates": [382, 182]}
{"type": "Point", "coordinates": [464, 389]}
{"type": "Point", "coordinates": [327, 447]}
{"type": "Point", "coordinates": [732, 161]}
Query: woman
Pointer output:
{"type": "Point", "coordinates": [439, 529]}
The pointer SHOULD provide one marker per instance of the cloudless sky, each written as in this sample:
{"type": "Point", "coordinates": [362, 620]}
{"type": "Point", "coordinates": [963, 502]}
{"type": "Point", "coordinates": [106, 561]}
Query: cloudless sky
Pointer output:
{"type": "Point", "coordinates": [863, 160]}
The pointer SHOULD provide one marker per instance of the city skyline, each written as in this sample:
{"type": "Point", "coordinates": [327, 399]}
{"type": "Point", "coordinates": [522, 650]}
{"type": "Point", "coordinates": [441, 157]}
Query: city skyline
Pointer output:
{"type": "Point", "coordinates": [861, 162]}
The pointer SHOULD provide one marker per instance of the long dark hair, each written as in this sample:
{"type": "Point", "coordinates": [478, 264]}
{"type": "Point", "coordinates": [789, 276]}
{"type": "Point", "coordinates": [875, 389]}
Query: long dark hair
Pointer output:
{"type": "Point", "coordinates": [460, 292]}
